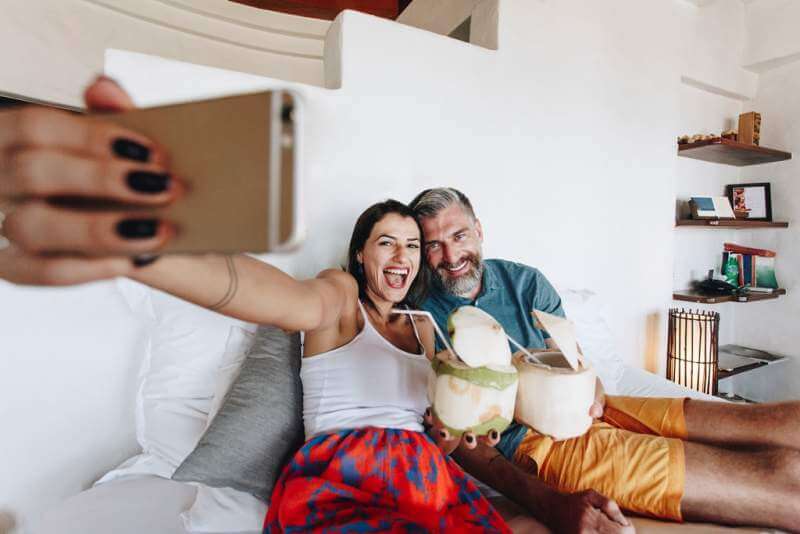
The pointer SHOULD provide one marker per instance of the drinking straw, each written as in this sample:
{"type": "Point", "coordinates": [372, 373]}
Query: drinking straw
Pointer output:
{"type": "Point", "coordinates": [526, 352]}
{"type": "Point", "coordinates": [435, 327]}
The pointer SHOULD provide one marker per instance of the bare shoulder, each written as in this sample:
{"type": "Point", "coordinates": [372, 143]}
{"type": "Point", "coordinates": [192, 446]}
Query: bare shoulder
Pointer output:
{"type": "Point", "coordinates": [340, 279]}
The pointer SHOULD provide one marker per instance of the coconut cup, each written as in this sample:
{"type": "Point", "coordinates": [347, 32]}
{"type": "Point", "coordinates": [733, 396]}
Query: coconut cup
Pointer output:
{"type": "Point", "coordinates": [476, 399]}
{"type": "Point", "coordinates": [553, 399]}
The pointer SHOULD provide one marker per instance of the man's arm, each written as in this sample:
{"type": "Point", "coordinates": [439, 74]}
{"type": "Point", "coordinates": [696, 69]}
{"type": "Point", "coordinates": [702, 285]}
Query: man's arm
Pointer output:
{"type": "Point", "coordinates": [586, 511]}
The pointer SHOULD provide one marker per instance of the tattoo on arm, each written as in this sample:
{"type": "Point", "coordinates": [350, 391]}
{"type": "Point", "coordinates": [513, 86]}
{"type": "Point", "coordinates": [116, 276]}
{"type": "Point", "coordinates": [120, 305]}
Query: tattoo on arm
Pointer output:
{"type": "Point", "coordinates": [233, 285]}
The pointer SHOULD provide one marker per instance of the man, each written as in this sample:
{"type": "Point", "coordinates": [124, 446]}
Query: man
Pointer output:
{"type": "Point", "coordinates": [671, 458]}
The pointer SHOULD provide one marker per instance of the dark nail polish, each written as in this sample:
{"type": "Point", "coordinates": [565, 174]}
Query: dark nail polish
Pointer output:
{"type": "Point", "coordinates": [443, 434]}
{"type": "Point", "coordinates": [144, 259]}
{"type": "Point", "coordinates": [428, 412]}
{"type": "Point", "coordinates": [125, 148]}
{"type": "Point", "coordinates": [493, 434]}
{"type": "Point", "coordinates": [470, 439]}
{"type": "Point", "coordinates": [137, 228]}
{"type": "Point", "coordinates": [148, 182]}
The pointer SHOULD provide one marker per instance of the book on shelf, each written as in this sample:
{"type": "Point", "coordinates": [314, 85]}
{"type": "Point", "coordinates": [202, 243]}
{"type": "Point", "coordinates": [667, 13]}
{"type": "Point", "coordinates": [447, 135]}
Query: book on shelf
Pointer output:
{"type": "Point", "coordinates": [739, 249]}
{"type": "Point", "coordinates": [749, 269]}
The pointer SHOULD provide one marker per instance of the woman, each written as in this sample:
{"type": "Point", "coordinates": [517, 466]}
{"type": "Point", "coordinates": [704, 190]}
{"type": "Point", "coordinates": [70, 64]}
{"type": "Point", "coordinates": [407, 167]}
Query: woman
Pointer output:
{"type": "Point", "coordinates": [367, 461]}
{"type": "Point", "coordinates": [367, 465]}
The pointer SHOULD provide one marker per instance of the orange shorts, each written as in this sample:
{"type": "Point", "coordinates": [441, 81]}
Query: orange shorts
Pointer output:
{"type": "Point", "coordinates": [634, 456]}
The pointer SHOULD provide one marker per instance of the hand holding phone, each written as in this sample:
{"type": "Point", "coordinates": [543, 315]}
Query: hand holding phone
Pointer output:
{"type": "Point", "coordinates": [80, 195]}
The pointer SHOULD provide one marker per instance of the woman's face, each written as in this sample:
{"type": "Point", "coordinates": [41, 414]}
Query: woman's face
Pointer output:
{"type": "Point", "coordinates": [391, 257]}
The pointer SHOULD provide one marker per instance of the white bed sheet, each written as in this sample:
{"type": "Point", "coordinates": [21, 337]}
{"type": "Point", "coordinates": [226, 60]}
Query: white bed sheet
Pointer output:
{"type": "Point", "coordinates": [640, 383]}
{"type": "Point", "coordinates": [133, 505]}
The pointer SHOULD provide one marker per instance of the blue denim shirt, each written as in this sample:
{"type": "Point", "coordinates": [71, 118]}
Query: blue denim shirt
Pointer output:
{"type": "Point", "coordinates": [509, 292]}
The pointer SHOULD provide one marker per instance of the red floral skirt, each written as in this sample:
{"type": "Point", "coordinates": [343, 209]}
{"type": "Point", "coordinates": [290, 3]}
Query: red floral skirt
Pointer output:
{"type": "Point", "coordinates": [377, 480]}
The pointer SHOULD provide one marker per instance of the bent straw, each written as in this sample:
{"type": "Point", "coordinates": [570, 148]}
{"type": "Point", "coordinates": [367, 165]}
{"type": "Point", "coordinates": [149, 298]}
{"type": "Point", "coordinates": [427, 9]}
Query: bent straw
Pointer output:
{"type": "Point", "coordinates": [435, 327]}
{"type": "Point", "coordinates": [526, 352]}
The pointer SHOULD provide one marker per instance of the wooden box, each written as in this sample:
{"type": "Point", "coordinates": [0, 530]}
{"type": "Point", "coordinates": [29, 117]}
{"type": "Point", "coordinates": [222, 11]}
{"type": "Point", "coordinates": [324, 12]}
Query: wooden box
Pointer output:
{"type": "Point", "coordinates": [749, 128]}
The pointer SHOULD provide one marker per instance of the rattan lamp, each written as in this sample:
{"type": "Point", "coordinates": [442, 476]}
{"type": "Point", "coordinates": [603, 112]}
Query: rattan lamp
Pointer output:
{"type": "Point", "coordinates": [692, 345]}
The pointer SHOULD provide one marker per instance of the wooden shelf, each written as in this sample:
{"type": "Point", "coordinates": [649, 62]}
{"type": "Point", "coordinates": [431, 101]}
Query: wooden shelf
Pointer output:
{"type": "Point", "coordinates": [735, 359]}
{"type": "Point", "coordinates": [734, 223]}
{"type": "Point", "coordinates": [729, 152]}
{"type": "Point", "coordinates": [689, 295]}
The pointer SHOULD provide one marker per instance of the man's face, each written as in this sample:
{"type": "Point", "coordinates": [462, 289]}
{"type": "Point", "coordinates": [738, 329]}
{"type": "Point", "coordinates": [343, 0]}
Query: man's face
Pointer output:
{"type": "Point", "coordinates": [453, 251]}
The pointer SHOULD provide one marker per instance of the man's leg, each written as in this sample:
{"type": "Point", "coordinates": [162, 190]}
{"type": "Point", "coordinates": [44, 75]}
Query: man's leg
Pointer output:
{"type": "Point", "coordinates": [741, 487]}
{"type": "Point", "coordinates": [743, 425]}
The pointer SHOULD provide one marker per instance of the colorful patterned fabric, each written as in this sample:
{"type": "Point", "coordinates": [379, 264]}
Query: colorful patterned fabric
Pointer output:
{"type": "Point", "coordinates": [377, 480]}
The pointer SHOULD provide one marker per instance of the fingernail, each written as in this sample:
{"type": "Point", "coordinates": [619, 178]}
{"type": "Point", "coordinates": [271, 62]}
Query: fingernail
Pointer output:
{"type": "Point", "coordinates": [427, 412]}
{"type": "Point", "coordinates": [493, 434]}
{"type": "Point", "coordinates": [470, 439]}
{"type": "Point", "coordinates": [144, 259]}
{"type": "Point", "coordinates": [137, 228]}
{"type": "Point", "coordinates": [148, 182]}
{"type": "Point", "coordinates": [125, 148]}
{"type": "Point", "coordinates": [443, 434]}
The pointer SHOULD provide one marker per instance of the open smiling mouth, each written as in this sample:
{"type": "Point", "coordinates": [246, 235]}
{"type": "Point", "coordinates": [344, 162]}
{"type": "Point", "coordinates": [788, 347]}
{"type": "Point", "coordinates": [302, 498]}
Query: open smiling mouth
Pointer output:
{"type": "Point", "coordinates": [456, 269]}
{"type": "Point", "coordinates": [396, 277]}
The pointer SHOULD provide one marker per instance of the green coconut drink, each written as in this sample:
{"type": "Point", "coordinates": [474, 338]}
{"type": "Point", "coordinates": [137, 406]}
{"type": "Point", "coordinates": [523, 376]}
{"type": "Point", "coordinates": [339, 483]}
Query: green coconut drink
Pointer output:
{"type": "Point", "coordinates": [476, 399]}
{"type": "Point", "coordinates": [477, 392]}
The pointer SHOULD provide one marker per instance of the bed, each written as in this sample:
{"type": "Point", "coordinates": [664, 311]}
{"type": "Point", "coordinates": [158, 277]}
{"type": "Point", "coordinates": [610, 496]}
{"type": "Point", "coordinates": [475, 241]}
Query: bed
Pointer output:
{"type": "Point", "coordinates": [172, 413]}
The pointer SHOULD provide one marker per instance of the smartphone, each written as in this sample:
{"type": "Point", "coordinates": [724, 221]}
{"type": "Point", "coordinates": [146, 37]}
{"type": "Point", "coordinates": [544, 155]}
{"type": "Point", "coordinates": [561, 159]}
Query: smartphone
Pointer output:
{"type": "Point", "coordinates": [239, 157]}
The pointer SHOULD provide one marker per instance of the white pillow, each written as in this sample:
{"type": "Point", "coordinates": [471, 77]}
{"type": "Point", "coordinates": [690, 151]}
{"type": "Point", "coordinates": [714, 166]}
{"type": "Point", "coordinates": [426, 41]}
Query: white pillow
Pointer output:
{"type": "Point", "coordinates": [588, 312]}
{"type": "Point", "coordinates": [224, 510]}
{"type": "Point", "coordinates": [180, 373]}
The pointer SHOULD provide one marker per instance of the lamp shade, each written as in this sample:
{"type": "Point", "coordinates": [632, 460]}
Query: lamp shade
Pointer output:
{"type": "Point", "coordinates": [692, 349]}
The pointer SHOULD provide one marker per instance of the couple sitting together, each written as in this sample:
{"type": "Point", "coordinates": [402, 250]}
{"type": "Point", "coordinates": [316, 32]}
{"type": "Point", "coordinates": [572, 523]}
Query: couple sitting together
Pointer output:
{"type": "Point", "coordinates": [368, 464]}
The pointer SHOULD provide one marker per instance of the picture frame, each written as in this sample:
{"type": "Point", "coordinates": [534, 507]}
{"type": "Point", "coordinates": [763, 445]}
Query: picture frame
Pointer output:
{"type": "Point", "coordinates": [752, 202]}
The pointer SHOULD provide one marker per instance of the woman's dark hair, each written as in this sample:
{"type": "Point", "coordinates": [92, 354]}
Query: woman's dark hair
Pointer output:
{"type": "Point", "coordinates": [363, 228]}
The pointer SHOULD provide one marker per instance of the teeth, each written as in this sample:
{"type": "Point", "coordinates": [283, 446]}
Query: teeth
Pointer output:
{"type": "Point", "coordinates": [458, 268]}
{"type": "Point", "coordinates": [401, 272]}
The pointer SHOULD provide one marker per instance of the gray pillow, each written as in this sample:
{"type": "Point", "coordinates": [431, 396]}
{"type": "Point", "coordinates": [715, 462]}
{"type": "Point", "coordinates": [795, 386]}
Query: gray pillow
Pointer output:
{"type": "Point", "coordinates": [260, 424]}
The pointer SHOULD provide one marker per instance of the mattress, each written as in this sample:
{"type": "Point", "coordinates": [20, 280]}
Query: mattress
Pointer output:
{"type": "Point", "coordinates": [152, 504]}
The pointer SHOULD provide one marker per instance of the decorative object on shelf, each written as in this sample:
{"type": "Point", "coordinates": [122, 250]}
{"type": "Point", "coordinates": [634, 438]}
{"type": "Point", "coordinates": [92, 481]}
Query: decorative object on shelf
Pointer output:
{"type": "Point", "coordinates": [751, 201]}
{"type": "Point", "coordinates": [705, 208]}
{"type": "Point", "coordinates": [692, 349]}
{"type": "Point", "coordinates": [687, 139]}
{"type": "Point", "coordinates": [749, 267]}
{"type": "Point", "coordinates": [713, 287]}
{"type": "Point", "coordinates": [750, 128]}
{"type": "Point", "coordinates": [729, 134]}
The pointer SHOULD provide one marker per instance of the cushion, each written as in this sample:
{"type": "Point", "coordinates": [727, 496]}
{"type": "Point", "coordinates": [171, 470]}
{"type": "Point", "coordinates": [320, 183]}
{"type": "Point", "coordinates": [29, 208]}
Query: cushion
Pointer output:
{"type": "Point", "coordinates": [588, 312]}
{"type": "Point", "coordinates": [218, 510]}
{"type": "Point", "coordinates": [188, 345]}
{"type": "Point", "coordinates": [260, 424]}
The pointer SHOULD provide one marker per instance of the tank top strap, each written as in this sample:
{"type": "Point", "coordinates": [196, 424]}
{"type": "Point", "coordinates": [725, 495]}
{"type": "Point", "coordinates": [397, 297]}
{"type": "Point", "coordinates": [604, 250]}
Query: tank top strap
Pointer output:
{"type": "Point", "coordinates": [416, 332]}
{"type": "Point", "coordinates": [373, 332]}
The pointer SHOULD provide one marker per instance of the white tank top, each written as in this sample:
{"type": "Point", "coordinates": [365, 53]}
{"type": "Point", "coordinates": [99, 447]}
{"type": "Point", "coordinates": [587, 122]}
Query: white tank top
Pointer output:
{"type": "Point", "coordinates": [367, 382]}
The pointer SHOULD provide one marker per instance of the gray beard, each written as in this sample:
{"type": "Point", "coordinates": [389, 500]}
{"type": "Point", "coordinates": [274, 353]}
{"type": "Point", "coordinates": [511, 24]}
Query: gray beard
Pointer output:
{"type": "Point", "coordinates": [463, 285]}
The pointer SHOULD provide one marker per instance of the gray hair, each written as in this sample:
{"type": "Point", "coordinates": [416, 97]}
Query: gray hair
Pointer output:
{"type": "Point", "coordinates": [431, 201]}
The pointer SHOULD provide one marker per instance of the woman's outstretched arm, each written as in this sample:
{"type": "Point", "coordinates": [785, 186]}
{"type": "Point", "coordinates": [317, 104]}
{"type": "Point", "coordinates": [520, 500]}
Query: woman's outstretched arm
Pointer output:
{"type": "Point", "coordinates": [251, 290]}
